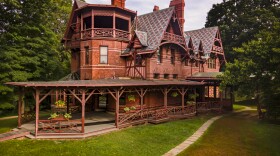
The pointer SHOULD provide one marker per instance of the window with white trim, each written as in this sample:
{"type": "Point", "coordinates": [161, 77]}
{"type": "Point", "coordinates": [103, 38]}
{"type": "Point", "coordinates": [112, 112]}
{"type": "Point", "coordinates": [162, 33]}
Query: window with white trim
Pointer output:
{"type": "Point", "coordinates": [103, 55]}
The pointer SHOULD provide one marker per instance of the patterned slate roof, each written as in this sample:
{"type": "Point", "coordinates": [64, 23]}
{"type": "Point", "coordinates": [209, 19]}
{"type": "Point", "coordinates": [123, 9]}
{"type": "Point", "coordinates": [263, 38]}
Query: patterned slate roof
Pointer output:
{"type": "Point", "coordinates": [81, 4]}
{"type": "Point", "coordinates": [155, 24]}
{"type": "Point", "coordinates": [206, 35]}
{"type": "Point", "coordinates": [143, 38]}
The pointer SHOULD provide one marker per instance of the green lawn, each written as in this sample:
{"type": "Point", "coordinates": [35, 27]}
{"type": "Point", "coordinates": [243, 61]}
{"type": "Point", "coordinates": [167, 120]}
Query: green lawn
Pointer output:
{"type": "Point", "coordinates": [238, 134]}
{"type": "Point", "coordinates": [139, 140]}
{"type": "Point", "coordinates": [7, 125]}
{"type": "Point", "coordinates": [237, 107]}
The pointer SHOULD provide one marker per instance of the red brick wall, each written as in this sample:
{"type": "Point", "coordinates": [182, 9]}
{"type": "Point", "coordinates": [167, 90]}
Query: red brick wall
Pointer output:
{"type": "Point", "coordinates": [95, 70]}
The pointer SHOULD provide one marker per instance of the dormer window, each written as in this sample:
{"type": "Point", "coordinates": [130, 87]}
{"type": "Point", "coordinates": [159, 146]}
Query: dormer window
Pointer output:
{"type": "Point", "coordinates": [211, 63]}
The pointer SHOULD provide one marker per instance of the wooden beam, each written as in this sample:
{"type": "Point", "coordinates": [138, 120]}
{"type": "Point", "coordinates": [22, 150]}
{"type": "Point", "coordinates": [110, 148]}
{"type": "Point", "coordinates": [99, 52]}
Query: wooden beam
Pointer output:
{"type": "Point", "coordinates": [109, 91]}
{"type": "Point", "coordinates": [19, 107]}
{"type": "Point", "coordinates": [44, 97]}
{"type": "Point", "coordinates": [91, 93]}
{"type": "Point", "coordinates": [37, 100]}
{"type": "Point", "coordinates": [75, 95]}
{"type": "Point", "coordinates": [117, 108]}
{"type": "Point", "coordinates": [83, 109]}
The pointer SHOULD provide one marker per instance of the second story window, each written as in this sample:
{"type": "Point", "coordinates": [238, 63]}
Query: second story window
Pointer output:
{"type": "Point", "coordinates": [186, 62]}
{"type": "Point", "coordinates": [159, 55]}
{"type": "Point", "coordinates": [175, 76]}
{"type": "Point", "coordinates": [103, 55]}
{"type": "Point", "coordinates": [87, 55]}
{"type": "Point", "coordinates": [172, 56]}
{"type": "Point", "coordinates": [212, 63]}
{"type": "Point", "coordinates": [166, 76]}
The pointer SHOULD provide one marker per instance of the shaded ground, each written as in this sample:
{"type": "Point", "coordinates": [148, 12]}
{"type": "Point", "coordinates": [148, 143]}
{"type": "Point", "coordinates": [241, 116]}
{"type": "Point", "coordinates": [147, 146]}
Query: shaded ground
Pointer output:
{"type": "Point", "coordinates": [238, 134]}
{"type": "Point", "coordinates": [139, 140]}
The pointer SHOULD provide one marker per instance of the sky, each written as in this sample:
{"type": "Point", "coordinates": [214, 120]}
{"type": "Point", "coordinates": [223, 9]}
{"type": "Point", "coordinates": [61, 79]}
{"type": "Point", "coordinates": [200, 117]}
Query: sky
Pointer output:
{"type": "Point", "coordinates": [195, 10]}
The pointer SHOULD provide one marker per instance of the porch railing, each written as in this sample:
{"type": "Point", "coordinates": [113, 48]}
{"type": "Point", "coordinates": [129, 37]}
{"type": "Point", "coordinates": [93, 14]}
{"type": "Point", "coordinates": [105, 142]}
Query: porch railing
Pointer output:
{"type": "Point", "coordinates": [161, 113]}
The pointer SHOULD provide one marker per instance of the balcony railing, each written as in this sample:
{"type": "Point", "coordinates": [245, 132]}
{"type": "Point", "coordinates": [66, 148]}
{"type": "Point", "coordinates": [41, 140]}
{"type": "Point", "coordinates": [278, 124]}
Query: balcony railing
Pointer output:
{"type": "Point", "coordinates": [217, 49]}
{"type": "Point", "coordinates": [104, 33]}
{"type": "Point", "coordinates": [174, 38]}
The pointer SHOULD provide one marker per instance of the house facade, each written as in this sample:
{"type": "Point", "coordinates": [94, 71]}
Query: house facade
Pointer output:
{"type": "Point", "coordinates": [142, 68]}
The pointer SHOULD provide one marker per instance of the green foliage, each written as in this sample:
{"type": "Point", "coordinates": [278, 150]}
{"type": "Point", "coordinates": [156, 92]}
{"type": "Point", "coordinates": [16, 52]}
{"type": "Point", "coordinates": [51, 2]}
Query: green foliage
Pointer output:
{"type": "Point", "coordinates": [241, 20]}
{"type": "Point", "coordinates": [126, 109]}
{"type": "Point", "coordinates": [257, 70]}
{"type": "Point", "coordinates": [30, 49]}
{"type": "Point", "coordinates": [193, 96]}
{"type": "Point", "coordinates": [6, 106]}
{"type": "Point", "coordinates": [132, 108]}
{"type": "Point", "coordinates": [60, 103]}
{"type": "Point", "coordinates": [53, 116]}
{"type": "Point", "coordinates": [67, 116]}
{"type": "Point", "coordinates": [174, 94]}
{"type": "Point", "coordinates": [131, 97]}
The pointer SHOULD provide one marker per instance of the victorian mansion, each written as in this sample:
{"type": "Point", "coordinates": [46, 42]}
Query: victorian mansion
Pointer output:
{"type": "Point", "coordinates": [141, 68]}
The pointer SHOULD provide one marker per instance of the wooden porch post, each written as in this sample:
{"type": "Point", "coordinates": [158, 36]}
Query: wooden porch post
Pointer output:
{"type": "Point", "coordinates": [165, 97]}
{"type": "Point", "coordinates": [37, 99]}
{"type": "Point", "coordinates": [183, 98]}
{"type": "Point", "coordinates": [215, 91]}
{"type": "Point", "coordinates": [117, 108]}
{"type": "Point", "coordinates": [142, 98]}
{"type": "Point", "coordinates": [20, 107]}
{"type": "Point", "coordinates": [83, 110]}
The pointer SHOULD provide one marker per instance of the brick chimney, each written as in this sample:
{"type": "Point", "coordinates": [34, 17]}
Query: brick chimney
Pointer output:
{"type": "Point", "coordinates": [118, 3]}
{"type": "Point", "coordinates": [156, 8]}
{"type": "Point", "coordinates": [180, 10]}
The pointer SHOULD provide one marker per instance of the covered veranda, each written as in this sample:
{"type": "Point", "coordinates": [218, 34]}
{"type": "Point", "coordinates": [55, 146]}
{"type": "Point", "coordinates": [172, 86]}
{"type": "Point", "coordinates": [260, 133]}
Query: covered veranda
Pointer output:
{"type": "Point", "coordinates": [154, 102]}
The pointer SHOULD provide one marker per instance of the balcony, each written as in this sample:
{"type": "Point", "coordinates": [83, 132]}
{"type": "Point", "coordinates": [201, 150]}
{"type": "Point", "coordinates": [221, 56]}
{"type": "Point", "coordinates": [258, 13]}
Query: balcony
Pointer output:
{"type": "Point", "coordinates": [217, 49]}
{"type": "Point", "coordinates": [174, 38]}
{"type": "Point", "coordinates": [104, 33]}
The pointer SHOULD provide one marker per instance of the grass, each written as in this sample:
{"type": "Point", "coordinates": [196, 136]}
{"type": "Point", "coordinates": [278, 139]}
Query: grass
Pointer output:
{"type": "Point", "coordinates": [249, 103]}
{"type": "Point", "coordinates": [238, 134]}
{"type": "Point", "coordinates": [237, 107]}
{"type": "Point", "coordinates": [139, 140]}
{"type": "Point", "coordinates": [7, 125]}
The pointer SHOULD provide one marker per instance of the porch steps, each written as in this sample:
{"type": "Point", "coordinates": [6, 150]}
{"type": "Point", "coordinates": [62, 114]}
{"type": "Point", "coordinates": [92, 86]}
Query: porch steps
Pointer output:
{"type": "Point", "coordinates": [76, 136]}
{"type": "Point", "coordinates": [15, 133]}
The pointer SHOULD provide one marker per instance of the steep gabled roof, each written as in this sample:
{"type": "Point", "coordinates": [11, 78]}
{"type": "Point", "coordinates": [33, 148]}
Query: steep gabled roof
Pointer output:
{"type": "Point", "coordinates": [154, 24]}
{"type": "Point", "coordinates": [80, 3]}
{"type": "Point", "coordinates": [206, 35]}
{"type": "Point", "coordinates": [143, 37]}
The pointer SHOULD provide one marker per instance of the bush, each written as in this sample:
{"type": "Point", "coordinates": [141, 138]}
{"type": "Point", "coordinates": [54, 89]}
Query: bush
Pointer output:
{"type": "Point", "coordinates": [6, 106]}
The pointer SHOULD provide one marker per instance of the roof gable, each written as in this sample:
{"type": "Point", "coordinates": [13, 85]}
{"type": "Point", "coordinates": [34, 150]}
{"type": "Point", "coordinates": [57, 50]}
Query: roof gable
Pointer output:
{"type": "Point", "coordinates": [154, 24]}
{"type": "Point", "coordinates": [206, 35]}
{"type": "Point", "coordinates": [143, 38]}
{"type": "Point", "coordinates": [80, 3]}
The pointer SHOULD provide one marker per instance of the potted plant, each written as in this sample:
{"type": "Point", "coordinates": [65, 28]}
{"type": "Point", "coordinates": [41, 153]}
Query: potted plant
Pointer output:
{"type": "Point", "coordinates": [126, 109]}
{"type": "Point", "coordinates": [67, 116]}
{"type": "Point", "coordinates": [192, 98]}
{"type": "Point", "coordinates": [60, 104]}
{"type": "Point", "coordinates": [132, 109]}
{"type": "Point", "coordinates": [53, 116]}
{"type": "Point", "coordinates": [131, 98]}
{"type": "Point", "coordinates": [174, 94]}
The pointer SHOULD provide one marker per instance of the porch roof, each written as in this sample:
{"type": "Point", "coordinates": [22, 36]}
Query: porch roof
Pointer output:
{"type": "Point", "coordinates": [204, 76]}
{"type": "Point", "coordinates": [106, 83]}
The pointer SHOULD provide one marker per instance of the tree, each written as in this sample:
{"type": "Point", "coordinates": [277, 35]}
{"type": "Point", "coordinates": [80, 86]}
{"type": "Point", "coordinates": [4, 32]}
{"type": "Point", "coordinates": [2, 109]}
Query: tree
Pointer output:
{"type": "Point", "coordinates": [30, 48]}
{"type": "Point", "coordinates": [241, 20]}
{"type": "Point", "coordinates": [257, 70]}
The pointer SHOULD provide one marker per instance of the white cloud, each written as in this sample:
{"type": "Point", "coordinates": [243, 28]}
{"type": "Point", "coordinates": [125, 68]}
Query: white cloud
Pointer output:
{"type": "Point", "coordinates": [195, 10]}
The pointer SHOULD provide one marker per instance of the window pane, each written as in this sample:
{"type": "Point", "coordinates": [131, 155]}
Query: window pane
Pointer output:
{"type": "Point", "coordinates": [103, 50]}
{"type": "Point", "coordinates": [103, 59]}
